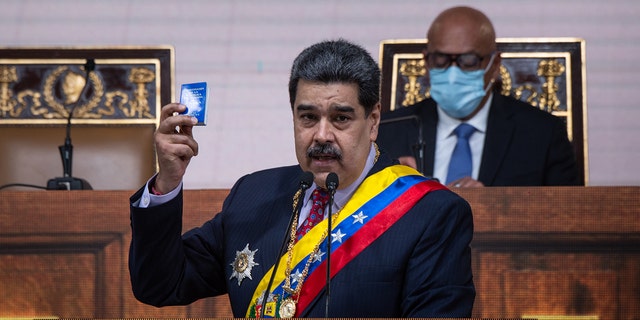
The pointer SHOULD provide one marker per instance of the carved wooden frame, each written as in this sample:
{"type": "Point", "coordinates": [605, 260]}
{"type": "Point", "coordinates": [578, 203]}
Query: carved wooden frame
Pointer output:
{"type": "Point", "coordinates": [129, 85]}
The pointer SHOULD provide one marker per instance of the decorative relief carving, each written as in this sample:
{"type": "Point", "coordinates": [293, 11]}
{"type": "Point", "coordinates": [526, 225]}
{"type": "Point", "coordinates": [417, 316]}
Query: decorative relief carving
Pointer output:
{"type": "Point", "coordinates": [413, 69]}
{"type": "Point", "coordinates": [12, 106]}
{"type": "Point", "coordinates": [140, 105]}
{"type": "Point", "coordinates": [550, 69]}
{"type": "Point", "coordinates": [70, 84]}
{"type": "Point", "coordinates": [115, 92]}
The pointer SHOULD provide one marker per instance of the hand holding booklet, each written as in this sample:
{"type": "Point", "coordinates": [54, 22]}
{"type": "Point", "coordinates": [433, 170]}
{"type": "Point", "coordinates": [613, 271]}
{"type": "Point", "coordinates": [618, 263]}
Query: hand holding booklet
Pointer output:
{"type": "Point", "coordinates": [194, 96]}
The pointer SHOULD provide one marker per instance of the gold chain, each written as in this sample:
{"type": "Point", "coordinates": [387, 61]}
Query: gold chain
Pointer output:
{"type": "Point", "coordinates": [292, 240]}
{"type": "Point", "coordinates": [375, 145]}
{"type": "Point", "coordinates": [291, 303]}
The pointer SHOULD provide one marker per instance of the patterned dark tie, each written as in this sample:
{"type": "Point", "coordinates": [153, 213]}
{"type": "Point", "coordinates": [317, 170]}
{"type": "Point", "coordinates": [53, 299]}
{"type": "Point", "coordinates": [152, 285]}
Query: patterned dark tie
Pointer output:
{"type": "Point", "coordinates": [320, 197]}
{"type": "Point", "coordinates": [460, 164]}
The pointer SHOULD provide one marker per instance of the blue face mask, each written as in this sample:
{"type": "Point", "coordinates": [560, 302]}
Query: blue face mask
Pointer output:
{"type": "Point", "coordinates": [458, 93]}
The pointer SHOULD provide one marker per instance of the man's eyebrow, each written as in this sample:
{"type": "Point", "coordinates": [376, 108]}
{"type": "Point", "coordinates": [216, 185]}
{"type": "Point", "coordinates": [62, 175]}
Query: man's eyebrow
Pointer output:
{"type": "Point", "coordinates": [348, 109]}
{"type": "Point", "coordinates": [305, 107]}
{"type": "Point", "coordinates": [338, 108]}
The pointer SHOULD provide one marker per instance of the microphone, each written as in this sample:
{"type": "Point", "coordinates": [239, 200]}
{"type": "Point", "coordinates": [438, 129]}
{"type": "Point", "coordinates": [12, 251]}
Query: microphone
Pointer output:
{"type": "Point", "coordinates": [332, 185]}
{"type": "Point", "coordinates": [306, 180]}
{"type": "Point", "coordinates": [67, 181]}
{"type": "Point", "coordinates": [418, 147]}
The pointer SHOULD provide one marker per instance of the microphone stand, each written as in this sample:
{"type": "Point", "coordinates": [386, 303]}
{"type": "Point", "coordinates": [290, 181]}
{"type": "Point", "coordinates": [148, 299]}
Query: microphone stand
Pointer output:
{"type": "Point", "coordinates": [67, 181]}
{"type": "Point", "coordinates": [305, 182]}
{"type": "Point", "coordinates": [418, 147]}
{"type": "Point", "coordinates": [332, 185]}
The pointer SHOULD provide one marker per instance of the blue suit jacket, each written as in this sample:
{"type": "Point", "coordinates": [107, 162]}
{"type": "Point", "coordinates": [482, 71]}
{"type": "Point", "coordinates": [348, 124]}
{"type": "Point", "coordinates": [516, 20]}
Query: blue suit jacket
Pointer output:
{"type": "Point", "coordinates": [421, 267]}
{"type": "Point", "coordinates": [524, 146]}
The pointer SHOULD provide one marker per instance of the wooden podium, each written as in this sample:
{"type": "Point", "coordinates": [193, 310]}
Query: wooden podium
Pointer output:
{"type": "Point", "coordinates": [537, 251]}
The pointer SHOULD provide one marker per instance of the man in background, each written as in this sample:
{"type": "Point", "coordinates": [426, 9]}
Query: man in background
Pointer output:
{"type": "Point", "coordinates": [473, 137]}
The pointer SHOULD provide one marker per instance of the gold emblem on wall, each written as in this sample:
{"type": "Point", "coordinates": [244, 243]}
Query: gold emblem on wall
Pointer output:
{"type": "Point", "coordinates": [11, 105]}
{"type": "Point", "coordinates": [550, 69]}
{"type": "Point", "coordinates": [413, 69]}
{"type": "Point", "coordinates": [70, 84]}
{"type": "Point", "coordinates": [140, 105]}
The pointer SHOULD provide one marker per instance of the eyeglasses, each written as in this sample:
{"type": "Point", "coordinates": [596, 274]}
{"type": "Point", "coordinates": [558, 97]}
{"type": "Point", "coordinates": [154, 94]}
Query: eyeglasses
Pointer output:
{"type": "Point", "coordinates": [465, 61]}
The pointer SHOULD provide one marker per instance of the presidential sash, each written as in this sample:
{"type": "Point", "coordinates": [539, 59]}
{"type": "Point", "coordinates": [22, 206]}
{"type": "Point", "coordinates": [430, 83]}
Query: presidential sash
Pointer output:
{"type": "Point", "coordinates": [381, 200]}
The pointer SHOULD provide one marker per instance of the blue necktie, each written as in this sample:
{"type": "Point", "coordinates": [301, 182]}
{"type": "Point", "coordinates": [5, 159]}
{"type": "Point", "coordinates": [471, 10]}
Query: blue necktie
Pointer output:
{"type": "Point", "coordinates": [460, 164]}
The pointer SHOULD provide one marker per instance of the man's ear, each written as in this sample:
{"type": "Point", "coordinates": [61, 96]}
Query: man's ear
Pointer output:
{"type": "Point", "coordinates": [375, 121]}
{"type": "Point", "coordinates": [426, 64]}
{"type": "Point", "coordinates": [493, 73]}
{"type": "Point", "coordinates": [496, 66]}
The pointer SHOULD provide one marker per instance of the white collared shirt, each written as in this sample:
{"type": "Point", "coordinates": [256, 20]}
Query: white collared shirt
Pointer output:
{"type": "Point", "coordinates": [341, 196]}
{"type": "Point", "coordinates": [446, 140]}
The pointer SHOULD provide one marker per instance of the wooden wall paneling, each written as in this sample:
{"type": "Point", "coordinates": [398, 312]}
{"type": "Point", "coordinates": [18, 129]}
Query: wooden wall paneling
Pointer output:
{"type": "Point", "coordinates": [536, 251]}
{"type": "Point", "coordinates": [65, 254]}
{"type": "Point", "coordinates": [556, 251]}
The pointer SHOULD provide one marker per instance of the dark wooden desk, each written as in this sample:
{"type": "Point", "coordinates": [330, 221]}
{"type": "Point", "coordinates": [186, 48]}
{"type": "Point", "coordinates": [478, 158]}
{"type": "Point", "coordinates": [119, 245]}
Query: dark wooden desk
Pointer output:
{"type": "Point", "coordinates": [537, 251]}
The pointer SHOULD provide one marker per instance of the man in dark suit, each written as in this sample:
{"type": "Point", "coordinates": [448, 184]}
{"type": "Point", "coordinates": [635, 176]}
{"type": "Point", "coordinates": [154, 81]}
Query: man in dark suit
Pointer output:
{"type": "Point", "coordinates": [399, 241]}
{"type": "Point", "coordinates": [508, 142]}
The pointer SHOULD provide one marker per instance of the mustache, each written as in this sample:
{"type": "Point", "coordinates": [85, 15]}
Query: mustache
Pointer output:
{"type": "Point", "coordinates": [324, 150]}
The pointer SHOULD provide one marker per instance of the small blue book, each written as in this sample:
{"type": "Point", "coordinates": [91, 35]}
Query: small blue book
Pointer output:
{"type": "Point", "coordinates": [194, 96]}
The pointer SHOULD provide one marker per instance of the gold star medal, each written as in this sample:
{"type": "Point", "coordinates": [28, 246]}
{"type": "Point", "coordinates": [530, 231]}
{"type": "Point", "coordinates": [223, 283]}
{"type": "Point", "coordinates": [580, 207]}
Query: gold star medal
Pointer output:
{"type": "Point", "coordinates": [243, 264]}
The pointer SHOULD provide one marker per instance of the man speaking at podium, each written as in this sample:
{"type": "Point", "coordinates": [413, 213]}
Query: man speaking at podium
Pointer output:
{"type": "Point", "coordinates": [399, 241]}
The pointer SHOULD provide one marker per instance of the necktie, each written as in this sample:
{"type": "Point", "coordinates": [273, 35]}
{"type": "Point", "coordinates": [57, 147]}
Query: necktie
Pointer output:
{"type": "Point", "coordinates": [320, 197]}
{"type": "Point", "coordinates": [460, 164]}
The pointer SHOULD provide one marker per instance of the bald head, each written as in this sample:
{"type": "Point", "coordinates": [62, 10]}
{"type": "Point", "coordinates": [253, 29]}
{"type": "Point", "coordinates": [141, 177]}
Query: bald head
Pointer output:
{"type": "Point", "coordinates": [461, 30]}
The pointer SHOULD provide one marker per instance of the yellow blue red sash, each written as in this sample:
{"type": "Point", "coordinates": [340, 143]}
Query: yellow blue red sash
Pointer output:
{"type": "Point", "coordinates": [381, 200]}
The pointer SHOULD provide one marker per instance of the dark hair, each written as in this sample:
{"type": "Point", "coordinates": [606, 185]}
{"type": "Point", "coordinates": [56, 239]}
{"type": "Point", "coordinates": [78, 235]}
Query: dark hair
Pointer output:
{"type": "Point", "coordinates": [338, 61]}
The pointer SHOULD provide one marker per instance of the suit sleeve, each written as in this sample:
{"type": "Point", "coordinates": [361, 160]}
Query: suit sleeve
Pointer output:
{"type": "Point", "coordinates": [439, 278]}
{"type": "Point", "coordinates": [561, 167]}
{"type": "Point", "coordinates": [168, 268]}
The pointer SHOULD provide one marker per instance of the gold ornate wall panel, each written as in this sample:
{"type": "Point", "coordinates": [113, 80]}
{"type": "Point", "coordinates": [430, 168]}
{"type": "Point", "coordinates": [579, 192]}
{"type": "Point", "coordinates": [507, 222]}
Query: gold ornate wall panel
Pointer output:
{"type": "Point", "coordinates": [120, 106]}
{"type": "Point", "coordinates": [548, 73]}
{"type": "Point", "coordinates": [127, 86]}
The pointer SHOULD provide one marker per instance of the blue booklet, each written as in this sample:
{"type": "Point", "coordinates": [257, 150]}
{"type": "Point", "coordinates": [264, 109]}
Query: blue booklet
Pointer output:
{"type": "Point", "coordinates": [194, 96]}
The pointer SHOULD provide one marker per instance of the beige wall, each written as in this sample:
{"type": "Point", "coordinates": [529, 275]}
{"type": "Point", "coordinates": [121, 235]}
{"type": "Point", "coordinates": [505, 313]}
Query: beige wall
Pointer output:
{"type": "Point", "coordinates": [244, 50]}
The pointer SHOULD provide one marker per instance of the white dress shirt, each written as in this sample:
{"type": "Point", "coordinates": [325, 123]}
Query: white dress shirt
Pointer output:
{"type": "Point", "coordinates": [446, 140]}
{"type": "Point", "coordinates": [341, 196]}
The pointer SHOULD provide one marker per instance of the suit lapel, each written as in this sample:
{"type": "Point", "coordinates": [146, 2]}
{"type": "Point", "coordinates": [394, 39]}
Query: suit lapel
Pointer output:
{"type": "Point", "coordinates": [498, 137]}
{"type": "Point", "coordinates": [281, 212]}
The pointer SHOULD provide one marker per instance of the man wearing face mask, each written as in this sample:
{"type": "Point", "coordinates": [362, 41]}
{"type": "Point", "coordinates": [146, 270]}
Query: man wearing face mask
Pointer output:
{"type": "Point", "coordinates": [472, 137]}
